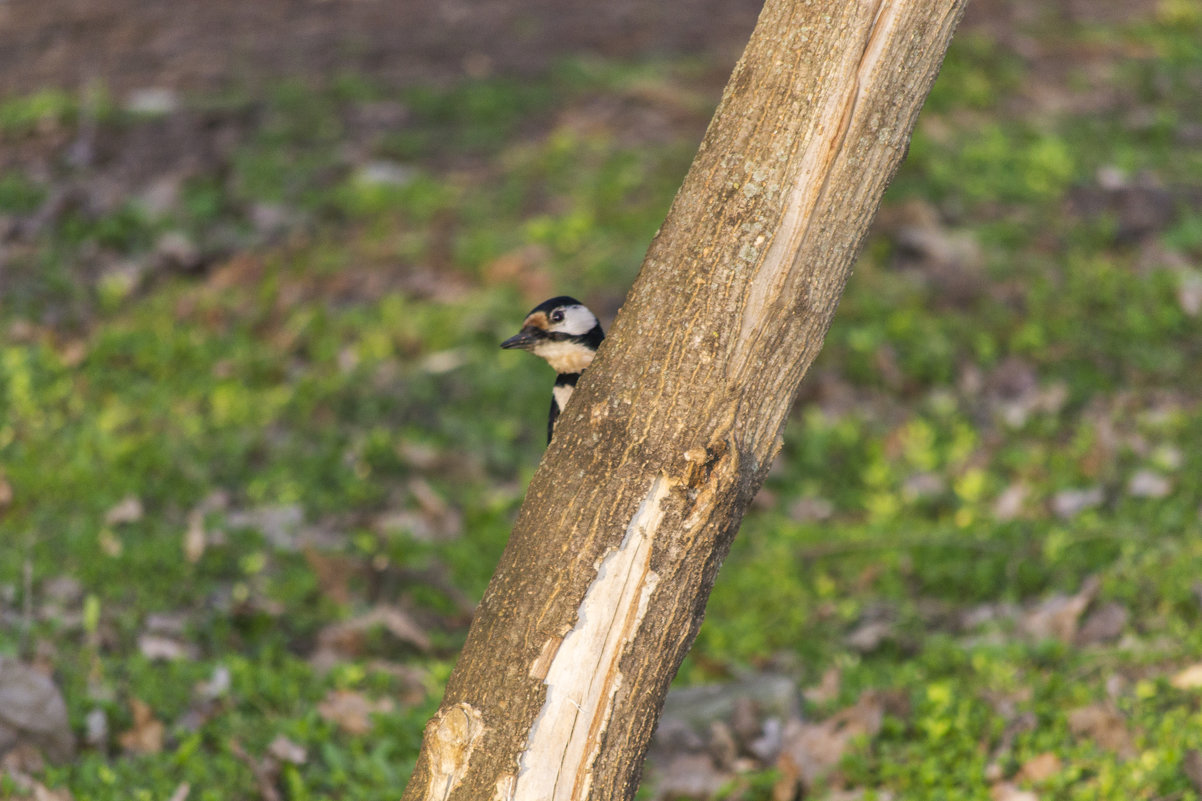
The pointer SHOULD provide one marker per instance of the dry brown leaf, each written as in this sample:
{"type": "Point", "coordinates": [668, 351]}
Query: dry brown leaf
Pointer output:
{"type": "Point", "coordinates": [1040, 768]}
{"type": "Point", "coordinates": [525, 266]}
{"type": "Point", "coordinates": [1188, 679]}
{"type": "Point", "coordinates": [1104, 726]}
{"type": "Point", "coordinates": [345, 639]}
{"type": "Point", "coordinates": [412, 680]}
{"type": "Point", "coordinates": [1069, 503]}
{"type": "Point", "coordinates": [688, 775]}
{"type": "Point", "coordinates": [1009, 504]}
{"type": "Point", "coordinates": [129, 510]}
{"type": "Point", "coordinates": [195, 540]}
{"type": "Point", "coordinates": [266, 771]}
{"type": "Point", "coordinates": [1104, 624]}
{"type": "Point", "coordinates": [1057, 617]}
{"type": "Point", "coordinates": [442, 521]}
{"type": "Point", "coordinates": [351, 711]}
{"type": "Point", "coordinates": [31, 787]}
{"type": "Point", "coordinates": [811, 750]}
{"type": "Point", "coordinates": [146, 737]}
{"type": "Point", "coordinates": [1005, 791]}
{"type": "Point", "coordinates": [1149, 484]}
{"type": "Point", "coordinates": [334, 573]}
{"type": "Point", "coordinates": [109, 542]}
{"type": "Point", "coordinates": [1189, 291]}
{"type": "Point", "coordinates": [1191, 763]}
{"type": "Point", "coordinates": [217, 685]}
{"type": "Point", "coordinates": [160, 648]}
{"type": "Point", "coordinates": [285, 750]}
{"type": "Point", "coordinates": [32, 712]}
{"type": "Point", "coordinates": [24, 759]}
{"type": "Point", "coordinates": [827, 688]}
{"type": "Point", "coordinates": [870, 635]}
{"type": "Point", "coordinates": [43, 793]}
{"type": "Point", "coordinates": [34, 789]}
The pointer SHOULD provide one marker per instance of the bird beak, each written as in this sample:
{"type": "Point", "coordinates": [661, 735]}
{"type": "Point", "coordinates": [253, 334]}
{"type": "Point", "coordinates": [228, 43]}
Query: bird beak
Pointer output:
{"type": "Point", "coordinates": [524, 339]}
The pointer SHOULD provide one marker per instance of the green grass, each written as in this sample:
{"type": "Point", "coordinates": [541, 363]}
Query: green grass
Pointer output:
{"type": "Point", "coordinates": [316, 376]}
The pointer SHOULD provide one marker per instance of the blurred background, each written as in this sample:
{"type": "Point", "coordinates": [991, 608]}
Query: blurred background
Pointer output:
{"type": "Point", "coordinates": [259, 450]}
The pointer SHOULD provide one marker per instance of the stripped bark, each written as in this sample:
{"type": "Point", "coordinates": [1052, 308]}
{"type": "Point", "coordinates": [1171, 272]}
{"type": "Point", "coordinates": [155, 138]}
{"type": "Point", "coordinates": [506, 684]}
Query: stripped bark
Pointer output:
{"type": "Point", "coordinates": [669, 435]}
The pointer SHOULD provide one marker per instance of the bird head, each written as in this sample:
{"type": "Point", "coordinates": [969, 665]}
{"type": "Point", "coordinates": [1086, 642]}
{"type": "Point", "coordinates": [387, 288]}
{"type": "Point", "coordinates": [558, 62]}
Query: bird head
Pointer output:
{"type": "Point", "coordinates": [562, 331]}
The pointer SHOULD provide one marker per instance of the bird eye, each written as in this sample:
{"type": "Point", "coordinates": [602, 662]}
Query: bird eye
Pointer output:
{"type": "Point", "coordinates": [557, 316]}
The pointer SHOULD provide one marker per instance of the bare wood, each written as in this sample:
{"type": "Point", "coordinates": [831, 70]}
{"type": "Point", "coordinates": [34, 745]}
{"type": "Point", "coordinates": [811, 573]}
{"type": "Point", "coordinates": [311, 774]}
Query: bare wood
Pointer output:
{"type": "Point", "coordinates": [669, 435]}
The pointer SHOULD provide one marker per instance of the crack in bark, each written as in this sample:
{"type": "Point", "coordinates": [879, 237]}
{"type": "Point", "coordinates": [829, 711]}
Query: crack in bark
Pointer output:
{"type": "Point", "coordinates": [583, 677]}
{"type": "Point", "coordinates": [831, 127]}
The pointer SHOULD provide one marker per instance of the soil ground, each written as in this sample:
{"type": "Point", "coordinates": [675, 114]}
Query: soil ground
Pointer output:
{"type": "Point", "coordinates": [202, 46]}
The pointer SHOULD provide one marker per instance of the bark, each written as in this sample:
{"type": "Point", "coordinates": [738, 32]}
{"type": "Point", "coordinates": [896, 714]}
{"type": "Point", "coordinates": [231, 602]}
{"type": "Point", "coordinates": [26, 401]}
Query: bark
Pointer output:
{"type": "Point", "coordinates": [603, 585]}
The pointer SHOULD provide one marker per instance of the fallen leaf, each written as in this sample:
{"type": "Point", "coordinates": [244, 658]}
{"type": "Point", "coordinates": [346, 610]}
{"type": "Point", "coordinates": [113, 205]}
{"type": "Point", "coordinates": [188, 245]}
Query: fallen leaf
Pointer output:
{"type": "Point", "coordinates": [810, 509]}
{"type": "Point", "coordinates": [688, 775]}
{"type": "Point", "coordinates": [28, 786]}
{"type": "Point", "coordinates": [164, 640]}
{"type": "Point", "coordinates": [689, 711]}
{"type": "Point", "coordinates": [1189, 292]}
{"type": "Point", "coordinates": [159, 648]}
{"type": "Point", "coordinates": [146, 736]}
{"type": "Point", "coordinates": [175, 251]}
{"type": "Point", "coordinates": [217, 685]}
{"type": "Point", "coordinates": [809, 751]}
{"type": "Point", "coordinates": [1136, 206]}
{"type": "Point", "coordinates": [1149, 484]}
{"type": "Point", "coordinates": [1071, 502]}
{"type": "Point", "coordinates": [96, 729]}
{"type": "Point", "coordinates": [129, 510]}
{"type": "Point", "coordinates": [722, 746]}
{"type": "Point", "coordinates": [827, 688]}
{"type": "Point", "coordinates": [43, 793]}
{"type": "Point", "coordinates": [1009, 504]}
{"type": "Point", "coordinates": [443, 521]}
{"type": "Point", "coordinates": [1057, 616]}
{"type": "Point", "coordinates": [1104, 726]}
{"type": "Point", "coordinates": [195, 540]}
{"type": "Point", "coordinates": [1104, 624]}
{"type": "Point", "coordinates": [266, 771]}
{"type": "Point", "coordinates": [280, 525]}
{"type": "Point", "coordinates": [923, 486]}
{"type": "Point", "coordinates": [1040, 768]}
{"type": "Point", "coordinates": [351, 711]}
{"type": "Point", "coordinates": [285, 750]}
{"type": "Point", "coordinates": [1005, 791]}
{"type": "Point", "coordinates": [33, 713]}
{"type": "Point", "coordinates": [109, 542]}
{"type": "Point", "coordinates": [334, 573]}
{"type": "Point", "coordinates": [868, 636]}
{"type": "Point", "coordinates": [1188, 679]}
{"type": "Point", "coordinates": [444, 361]}
{"type": "Point", "coordinates": [61, 596]}
{"type": "Point", "coordinates": [1191, 763]}
{"type": "Point", "coordinates": [525, 266]}
{"type": "Point", "coordinates": [24, 759]}
{"type": "Point", "coordinates": [346, 639]}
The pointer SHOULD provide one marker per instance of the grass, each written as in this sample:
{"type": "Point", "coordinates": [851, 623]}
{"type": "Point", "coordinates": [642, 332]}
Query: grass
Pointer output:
{"type": "Point", "coordinates": [319, 377]}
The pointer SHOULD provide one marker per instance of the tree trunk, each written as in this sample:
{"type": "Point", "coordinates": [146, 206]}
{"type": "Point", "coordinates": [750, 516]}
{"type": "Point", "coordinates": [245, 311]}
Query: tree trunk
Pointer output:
{"type": "Point", "coordinates": [603, 585]}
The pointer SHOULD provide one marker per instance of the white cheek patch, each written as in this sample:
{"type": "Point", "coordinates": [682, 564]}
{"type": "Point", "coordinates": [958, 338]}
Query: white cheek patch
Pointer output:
{"type": "Point", "coordinates": [564, 357]}
{"type": "Point", "coordinates": [562, 393]}
{"type": "Point", "coordinates": [577, 320]}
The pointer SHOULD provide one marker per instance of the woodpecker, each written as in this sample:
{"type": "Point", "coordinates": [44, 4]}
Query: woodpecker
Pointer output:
{"type": "Point", "coordinates": [564, 332]}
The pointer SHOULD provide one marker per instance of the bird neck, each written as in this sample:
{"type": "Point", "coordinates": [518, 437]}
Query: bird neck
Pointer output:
{"type": "Point", "coordinates": [566, 379]}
